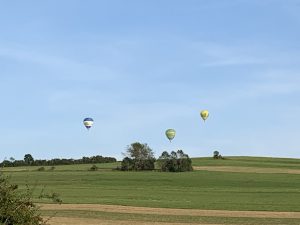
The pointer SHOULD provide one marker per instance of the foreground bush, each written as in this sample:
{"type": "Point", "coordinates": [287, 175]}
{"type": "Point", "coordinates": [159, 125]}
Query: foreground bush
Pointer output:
{"type": "Point", "coordinates": [17, 208]}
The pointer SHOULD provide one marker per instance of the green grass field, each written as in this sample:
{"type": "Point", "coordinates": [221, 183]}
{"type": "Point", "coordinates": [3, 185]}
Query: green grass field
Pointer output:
{"type": "Point", "coordinates": [260, 162]}
{"type": "Point", "coordinates": [191, 190]}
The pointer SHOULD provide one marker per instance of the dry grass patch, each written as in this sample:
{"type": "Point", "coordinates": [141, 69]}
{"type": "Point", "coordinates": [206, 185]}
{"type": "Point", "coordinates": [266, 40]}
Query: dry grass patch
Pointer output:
{"type": "Point", "coordinates": [86, 221]}
{"type": "Point", "coordinates": [166, 211]}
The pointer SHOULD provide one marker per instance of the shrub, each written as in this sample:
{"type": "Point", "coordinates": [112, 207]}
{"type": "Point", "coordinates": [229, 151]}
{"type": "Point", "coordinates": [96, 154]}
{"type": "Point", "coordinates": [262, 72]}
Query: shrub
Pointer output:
{"type": "Point", "coordinates": [217, 155]}
{"type": "Point", "coordinates": [55, 197]}
{"type": "Point", "coordinates": [17, 208]}
{"type": "Point", "coordinates": [127, 164]}
{"type": "Point", "coordinates": [175, 162]}
{"type": "Point", "coordinates": [41, 169]}
{"type": "Point", "coordinates": [93, 168]}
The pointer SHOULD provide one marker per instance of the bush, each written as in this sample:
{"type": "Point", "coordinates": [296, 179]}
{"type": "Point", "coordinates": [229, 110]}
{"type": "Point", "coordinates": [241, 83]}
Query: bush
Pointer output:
{"type": "Point", "coordinates": [52, 168]}
{"type": "Point", "coordinates": [41, 169]}
{"type": "Point", "coordinates": [217, 155]}
{"type": "Point", "coordinates": [175, 162]}
{"type": "Point", "coordinates": [93, 168]}
{"type": "Point", "coordinates": [17, 208]}
{"type": "Point", "coordinates": [127, 164]}
{"type": "Point", "coordinates": [55, 197]}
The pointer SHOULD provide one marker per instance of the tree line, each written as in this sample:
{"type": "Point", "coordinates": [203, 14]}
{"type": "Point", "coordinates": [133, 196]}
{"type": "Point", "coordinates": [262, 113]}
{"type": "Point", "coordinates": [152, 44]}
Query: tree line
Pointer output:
{"type": "Point", "coordinates": [138, 157]}
{"type": "Point", "coordinates": [30, 161]}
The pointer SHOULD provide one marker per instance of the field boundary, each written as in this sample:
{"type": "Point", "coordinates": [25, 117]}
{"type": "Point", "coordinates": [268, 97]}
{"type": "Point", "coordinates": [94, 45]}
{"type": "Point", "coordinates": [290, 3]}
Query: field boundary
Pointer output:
{"type": "Point", "coordinates": [242, 169]}
{"type": "Point", "coordinates": [168, 211]}
{"type": "Point", "coordinates": [91, 221]}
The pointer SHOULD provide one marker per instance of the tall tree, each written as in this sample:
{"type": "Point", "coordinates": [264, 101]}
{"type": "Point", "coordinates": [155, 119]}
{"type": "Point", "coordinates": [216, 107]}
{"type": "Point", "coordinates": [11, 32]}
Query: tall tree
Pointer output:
{"type": "Point", "coordinates": [139, 151]}
{"type": "Point", "coordinates": [139, 157]}
{"type": "Point", "coordinates": [28, 159]}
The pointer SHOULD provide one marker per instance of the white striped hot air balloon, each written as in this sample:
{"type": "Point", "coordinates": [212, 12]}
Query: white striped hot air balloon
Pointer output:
{"type": "Point", "coordinates": [88, 123]}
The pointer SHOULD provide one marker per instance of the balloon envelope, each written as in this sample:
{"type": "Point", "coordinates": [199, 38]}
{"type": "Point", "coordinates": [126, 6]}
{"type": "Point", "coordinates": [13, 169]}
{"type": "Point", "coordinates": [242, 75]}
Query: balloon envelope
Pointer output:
{"type": "Point", "coordinates": [170, 133]}
{"type": "Point", "coordinates": [204, 114]}
{"type": "Point", "coordinates": [88, 123]}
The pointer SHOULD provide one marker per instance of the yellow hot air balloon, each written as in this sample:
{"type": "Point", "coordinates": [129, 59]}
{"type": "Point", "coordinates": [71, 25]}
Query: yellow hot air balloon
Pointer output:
{"type": "Point", "coordinates": [204, 114]}
{"type": "Point", "coordinates": [170, 133]}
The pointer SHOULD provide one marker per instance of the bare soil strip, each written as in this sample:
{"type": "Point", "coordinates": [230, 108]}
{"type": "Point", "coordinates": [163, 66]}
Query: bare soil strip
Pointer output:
{"type": "Point", "coordinates": [86, 221]}
{"type": "Point", "coordinates": [237, 169]}
{"type": "Point", "coordinates": [166, 211]}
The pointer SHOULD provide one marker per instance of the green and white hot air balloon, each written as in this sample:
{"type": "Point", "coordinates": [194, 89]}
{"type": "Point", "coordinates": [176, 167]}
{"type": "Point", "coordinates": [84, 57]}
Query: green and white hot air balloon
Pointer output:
{"type": "Point", "coordinates": [170, 133]}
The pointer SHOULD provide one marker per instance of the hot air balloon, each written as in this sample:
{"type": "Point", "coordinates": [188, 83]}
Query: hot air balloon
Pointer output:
{"type": "Point", "coordinates": [88, 123]}
{"type": "Point", "coordinates": [204, 114]}
{"type": "Point", "coordinates": [170, 133]}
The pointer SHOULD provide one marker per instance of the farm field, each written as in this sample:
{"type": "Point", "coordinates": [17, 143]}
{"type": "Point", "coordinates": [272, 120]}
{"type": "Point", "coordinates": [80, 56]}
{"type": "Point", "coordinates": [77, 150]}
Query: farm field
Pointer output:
{"type": "Point", "coordinates": [237, 190]}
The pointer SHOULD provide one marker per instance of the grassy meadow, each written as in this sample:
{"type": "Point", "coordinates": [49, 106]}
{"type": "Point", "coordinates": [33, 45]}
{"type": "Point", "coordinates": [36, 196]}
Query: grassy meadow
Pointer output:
{"type": "Point", "coordinates": [199, 189]}
{"type": "Point", "coordinates": [195, 190]}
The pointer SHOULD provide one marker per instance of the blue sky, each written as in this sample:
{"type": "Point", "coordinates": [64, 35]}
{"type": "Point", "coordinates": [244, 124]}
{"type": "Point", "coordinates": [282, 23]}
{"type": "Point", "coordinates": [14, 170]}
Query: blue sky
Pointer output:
{"type": "Point", "coordinates": [139, 67]}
